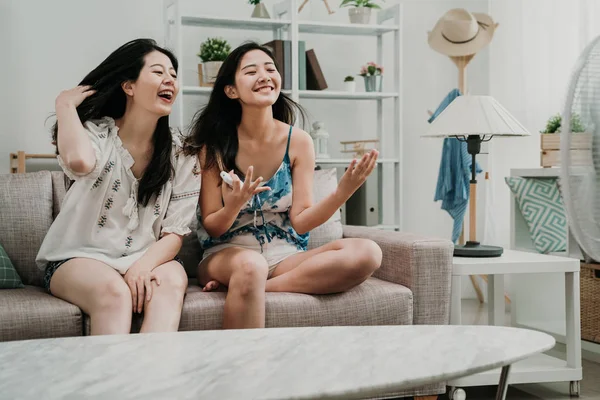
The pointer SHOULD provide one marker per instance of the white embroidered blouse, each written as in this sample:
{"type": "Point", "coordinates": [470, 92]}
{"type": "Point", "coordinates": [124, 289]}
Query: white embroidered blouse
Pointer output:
{"type": "Point", "coordinates": [100, 217]}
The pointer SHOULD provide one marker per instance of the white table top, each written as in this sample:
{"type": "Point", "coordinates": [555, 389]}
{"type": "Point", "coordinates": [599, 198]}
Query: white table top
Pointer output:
{"type": "Point", "coordinates": [513, 262]}
{"type": "Point", "coordinates": [274, 363]}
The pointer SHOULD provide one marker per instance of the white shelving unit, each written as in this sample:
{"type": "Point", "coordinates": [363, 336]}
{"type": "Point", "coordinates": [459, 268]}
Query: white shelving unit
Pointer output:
{"type": "Point", "coordinates": [544, 293]}
{"type": "Point", "coordinates": [285, 21]}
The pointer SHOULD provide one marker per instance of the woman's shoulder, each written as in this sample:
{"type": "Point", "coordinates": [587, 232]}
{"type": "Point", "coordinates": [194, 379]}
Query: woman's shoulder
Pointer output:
{"type": "Point", "coordinates": [177, 138]}
{"type": "Point", "coordinates": [300, 139]}
{"type": "Point", "coordinates": [101, 127]}
{"type": "Point", "coordinates": [179, 156]}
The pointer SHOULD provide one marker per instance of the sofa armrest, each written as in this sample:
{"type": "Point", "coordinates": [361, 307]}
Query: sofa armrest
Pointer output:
{"type": "Point", "coordinates": [422, 264]}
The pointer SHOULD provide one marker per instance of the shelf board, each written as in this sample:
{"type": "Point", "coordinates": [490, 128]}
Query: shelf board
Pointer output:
{"type": "Point", "coordinates": [344, 29]}
{"type": "Point", "coordinates": [343, 95]}
{"type": "Point", "coordinates": [255, 24]}
{"type": "Point", "coordinates": [346, 161]}
{"type": "Point", "coordinates": [533, 250]}
{"type": "Point", "coordinates": [556, 329]}
{"type": "Point", "coordinates": [536, 369]}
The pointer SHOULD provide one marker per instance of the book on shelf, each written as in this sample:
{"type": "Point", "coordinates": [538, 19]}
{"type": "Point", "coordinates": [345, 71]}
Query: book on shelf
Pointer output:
{"type": "Point", "coordinates": [282, 52]}
{"type": "Point", "coordinates": [315, 80]}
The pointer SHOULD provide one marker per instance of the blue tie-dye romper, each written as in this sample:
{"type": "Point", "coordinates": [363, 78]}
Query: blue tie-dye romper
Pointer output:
{"type": "Point", "coordinates": [263, 224]}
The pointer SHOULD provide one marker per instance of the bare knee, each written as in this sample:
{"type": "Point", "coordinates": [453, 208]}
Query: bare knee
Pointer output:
{"type": "Point", "coordinates": [173, 279]}
{"type": "Point", "coordinates": [366, 256]}
{"type": "Point", "coordinates": [250, 274]}
{"type": "Point", "coordinates": [113, 296]}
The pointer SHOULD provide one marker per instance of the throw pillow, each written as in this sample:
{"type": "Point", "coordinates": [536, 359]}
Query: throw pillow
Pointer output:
{"type": "Point", "coordinates": [9, 278]}
{"type": "Point", "coordinates": [324, 183]}
{"type": "Point", "coordinates": [541, 205]}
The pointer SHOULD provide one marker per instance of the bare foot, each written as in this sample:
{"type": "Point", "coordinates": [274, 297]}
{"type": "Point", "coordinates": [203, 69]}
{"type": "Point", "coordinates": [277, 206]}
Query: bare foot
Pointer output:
{"type": "Point", "coordinates": [210, 286]}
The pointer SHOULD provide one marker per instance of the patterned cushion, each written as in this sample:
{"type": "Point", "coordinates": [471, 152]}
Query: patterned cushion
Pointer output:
{"type": "Point", "coordinates": [542, 208]}
{"type": "Point", "coordinates": [9, 279]}
{"type": "Point", "coordinates": [325, 183]}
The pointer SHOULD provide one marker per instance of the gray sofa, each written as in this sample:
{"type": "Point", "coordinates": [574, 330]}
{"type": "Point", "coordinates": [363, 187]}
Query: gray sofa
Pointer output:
{"type": "Point", "coordinates": [412, 286]}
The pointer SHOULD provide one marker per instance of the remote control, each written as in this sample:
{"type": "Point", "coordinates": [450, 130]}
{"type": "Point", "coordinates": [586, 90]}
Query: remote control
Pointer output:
{"type": "Point", "coordinates": [226, 178]}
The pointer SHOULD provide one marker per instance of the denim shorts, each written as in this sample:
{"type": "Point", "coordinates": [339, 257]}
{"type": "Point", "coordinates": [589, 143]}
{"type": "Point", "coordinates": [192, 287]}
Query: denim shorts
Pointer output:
{"type": "Point", "coordinates": [52, 266]}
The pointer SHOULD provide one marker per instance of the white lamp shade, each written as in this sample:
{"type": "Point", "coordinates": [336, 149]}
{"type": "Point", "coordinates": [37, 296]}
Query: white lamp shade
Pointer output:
{"type": "Point", "coordinates": [475, 115]}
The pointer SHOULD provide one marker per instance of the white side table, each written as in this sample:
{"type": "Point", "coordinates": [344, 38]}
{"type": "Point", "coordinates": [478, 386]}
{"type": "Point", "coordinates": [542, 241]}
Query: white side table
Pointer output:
{"type": "Point", "coordinates": [540, 368]}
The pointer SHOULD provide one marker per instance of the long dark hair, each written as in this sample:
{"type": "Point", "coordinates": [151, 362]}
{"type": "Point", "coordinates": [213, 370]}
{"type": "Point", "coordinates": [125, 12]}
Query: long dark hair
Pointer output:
{"type": "Point", "coordinates": [122, 65]}
{"type": "Point", "coordinates": [214, 127]}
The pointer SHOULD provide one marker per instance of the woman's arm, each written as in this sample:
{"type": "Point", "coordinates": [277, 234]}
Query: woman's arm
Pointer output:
{"type": "Point", "coordinates": [303, 214]}
{"type": "Point", "coordinates": [161, 251]}
{"type": "Point", "coordinates": [139, 276]}
{"type": "Point", "coordinates": [216, 217]}
{"type": "Point", "coordinates": [74, 145]}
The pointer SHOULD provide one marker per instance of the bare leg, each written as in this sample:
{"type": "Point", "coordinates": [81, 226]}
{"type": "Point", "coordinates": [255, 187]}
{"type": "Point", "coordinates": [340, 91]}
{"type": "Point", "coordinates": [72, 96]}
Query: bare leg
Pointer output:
{"type": "Point", "coordinates": [163, 312]}
{"type": "Point", "coordinates": [99, 290]}
{"type": "Point", "coordinates": [335, 267]}
{"type": "Point", "coordinates": [245, 273]}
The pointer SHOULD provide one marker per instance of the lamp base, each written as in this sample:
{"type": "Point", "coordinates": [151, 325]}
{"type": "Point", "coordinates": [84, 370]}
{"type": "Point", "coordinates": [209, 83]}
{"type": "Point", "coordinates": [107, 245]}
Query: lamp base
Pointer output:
{"type": "Point", "coordinates": [475, 249]}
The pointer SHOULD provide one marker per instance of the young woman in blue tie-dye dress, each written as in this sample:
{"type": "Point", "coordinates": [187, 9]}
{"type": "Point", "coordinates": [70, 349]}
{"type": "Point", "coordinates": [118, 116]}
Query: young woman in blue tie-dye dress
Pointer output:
{"type": "Point", "coordinates": [255, 233]}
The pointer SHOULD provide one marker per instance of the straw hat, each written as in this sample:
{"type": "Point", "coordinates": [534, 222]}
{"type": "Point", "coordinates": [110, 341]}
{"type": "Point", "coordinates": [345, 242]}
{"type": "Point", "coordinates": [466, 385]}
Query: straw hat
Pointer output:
{"type": "Point", "coordinates": [461, 33]}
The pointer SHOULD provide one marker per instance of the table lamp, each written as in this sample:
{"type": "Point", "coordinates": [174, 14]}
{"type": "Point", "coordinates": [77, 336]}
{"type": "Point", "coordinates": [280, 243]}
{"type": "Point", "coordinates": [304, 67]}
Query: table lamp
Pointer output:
{"type": "Point", "coordinates": [475, 119]}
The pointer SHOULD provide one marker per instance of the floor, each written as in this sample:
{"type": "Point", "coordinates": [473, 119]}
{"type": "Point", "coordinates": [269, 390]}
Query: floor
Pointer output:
{"type": "Point", "coordinates": [476, 314]}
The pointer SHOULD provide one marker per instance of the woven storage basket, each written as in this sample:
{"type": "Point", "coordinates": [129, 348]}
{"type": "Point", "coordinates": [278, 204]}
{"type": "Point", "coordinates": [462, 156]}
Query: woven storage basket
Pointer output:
{"type": "Point", "coordinates": [590, 302]}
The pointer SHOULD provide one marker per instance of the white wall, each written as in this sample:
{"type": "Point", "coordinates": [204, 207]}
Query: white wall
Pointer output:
{"type": "Point", "coordinates": [48, 46]}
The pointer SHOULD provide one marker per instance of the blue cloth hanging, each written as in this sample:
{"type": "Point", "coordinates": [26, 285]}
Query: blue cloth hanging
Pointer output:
{"type": "Point", "coordinates": [454, 173]}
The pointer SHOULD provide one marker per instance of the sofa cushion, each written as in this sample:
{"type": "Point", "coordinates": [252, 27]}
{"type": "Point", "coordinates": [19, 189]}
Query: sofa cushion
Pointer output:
{"type": "Point", "coordinates": [324, 183]}
{"type": "Point", "coordinates": [26, 204]}
{"type": "Point", "coordinates": [374, 302]}
{"type": "Point", "coordinates": [32, 313]}
{"type": "Point", "coordinates": [9, 278]}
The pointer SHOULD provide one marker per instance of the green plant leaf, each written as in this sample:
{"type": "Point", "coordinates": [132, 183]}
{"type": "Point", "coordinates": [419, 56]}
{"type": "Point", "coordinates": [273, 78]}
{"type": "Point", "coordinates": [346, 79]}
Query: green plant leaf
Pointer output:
{"type": "Point", "coordinates": [214, 49]}
{"type": "Point", "coordinates": [347, 3]}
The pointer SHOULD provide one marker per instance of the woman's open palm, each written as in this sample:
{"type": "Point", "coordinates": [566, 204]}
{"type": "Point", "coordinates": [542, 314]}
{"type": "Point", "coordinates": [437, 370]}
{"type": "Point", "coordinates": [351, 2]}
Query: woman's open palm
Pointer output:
{"type": "Point", "coordinates": [241, 192]}
{"type": "Point", "coordinates": [358, 172]}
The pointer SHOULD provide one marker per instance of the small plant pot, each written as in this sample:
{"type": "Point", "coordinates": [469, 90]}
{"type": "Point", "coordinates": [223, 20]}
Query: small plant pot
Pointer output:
{"type": "Point", "coordinates": [350, 86]}
{"type": "Point", "coordinates": [260, 11]}
{"type": "Point", "coordinates": [373, 83]}
{"type": "Point", "coordinates": [210, 69]}
{"type": "Point", "coordinates": [581, 149]}
{"type": "Point", "coordinates": [201, 81]}
{"type": "Point", "coordinates": [360, 15]}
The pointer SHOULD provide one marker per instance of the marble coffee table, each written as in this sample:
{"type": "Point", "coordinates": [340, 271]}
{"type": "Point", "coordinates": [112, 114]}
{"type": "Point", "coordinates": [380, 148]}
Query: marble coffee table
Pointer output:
{"type": "Point", "coordinates": [274, 363]}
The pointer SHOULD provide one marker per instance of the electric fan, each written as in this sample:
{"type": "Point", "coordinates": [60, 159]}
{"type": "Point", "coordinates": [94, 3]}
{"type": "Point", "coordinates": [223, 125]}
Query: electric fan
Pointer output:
{"type": "Point", "coordinates": [580, 152]}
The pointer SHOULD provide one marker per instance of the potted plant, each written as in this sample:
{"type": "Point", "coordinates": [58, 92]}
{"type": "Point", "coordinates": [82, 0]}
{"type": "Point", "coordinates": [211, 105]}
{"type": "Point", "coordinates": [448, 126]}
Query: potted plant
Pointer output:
{"type": "Point", "coordinates": [581, 142]}
{"type": "Point", "coordinates": [372, 73]}
{"type": "Point", "coordinates": [260, 11]}
{"type": "Point", "coordinates": [213, 52]}
{"type": "Point", "coordinates": [350, 83]}
{"type": "Point", "coordinates": [360, 13]}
